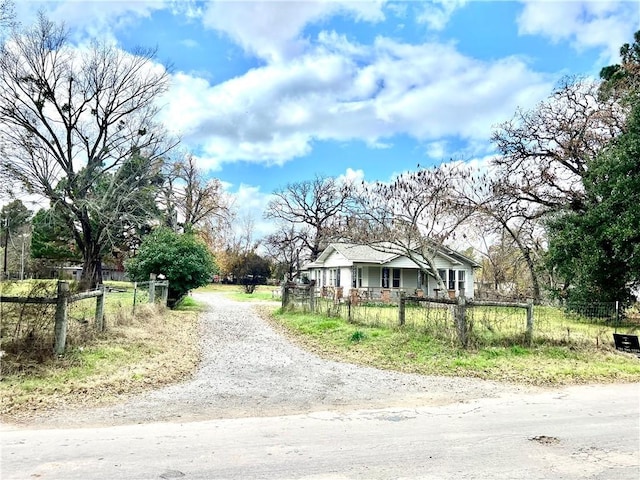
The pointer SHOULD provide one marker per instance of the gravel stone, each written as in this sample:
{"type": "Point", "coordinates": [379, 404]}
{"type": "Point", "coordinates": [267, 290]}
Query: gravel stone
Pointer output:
{"type": "Point", "coordinates": [249, 369]}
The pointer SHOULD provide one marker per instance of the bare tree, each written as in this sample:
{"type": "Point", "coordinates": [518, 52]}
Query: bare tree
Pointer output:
{"type": "Point", "coordinates": [544, 152]}
{"type": "Point", "coordinates": [499, 214]}
{"type": "Point", "coordinates": [285, 248]}
{"type": "Point", "coordinates": [315, 208]}
{"type": "Point", "coordinates": [239, 243]}
{"type": "Point", "coordinates": [544, 157]}
{"type": "Point", "coordinates": [416, 216]}
{"type": "Point", "coordinates": [193, 200]}
{"type": "Point", "coordinates": [77, 127]}
{"type": "Point", "coordinates": [511, 251]}
{"type": "Point", "coordinates": [7, 14]}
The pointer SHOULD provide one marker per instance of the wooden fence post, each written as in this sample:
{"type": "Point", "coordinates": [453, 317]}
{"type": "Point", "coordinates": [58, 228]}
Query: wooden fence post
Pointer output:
{"type": "Point", "coordinates": [285, 295]}
{"type": "Point", "coordinates": [401, 309]}
{"type": "Point", "coordinates": [135, 294]}
{"type": "Point", "coordinates": [529, 332]}
{"type": "Point", "coordinates": [152, 288]}
{"type": "Point", "coordinates": [460, 312]}
{"type": "Point", "coordinates": [312, 298]}
{"type": "Point", "coordinates": [165, 293]}
{"type": "Point", "coordinates": [100, 308]}
{"type": "Point", "coordinates": [60, 329]}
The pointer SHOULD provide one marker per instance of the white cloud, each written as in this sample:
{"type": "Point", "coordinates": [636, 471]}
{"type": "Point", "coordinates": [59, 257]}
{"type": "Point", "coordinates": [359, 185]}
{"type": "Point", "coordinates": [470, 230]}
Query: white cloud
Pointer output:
{"type": "Point", "coordinates": [436, 14]}
{"type": "Point", "coordinates": [437, 150]}
{"type": "Point", "coordinates": [272, 30]}
{"type": "Point", "coordinates": [344, 91]}
{"type": "Point", "coordinates": [249, 203]}
{"type": "Point", "coordinates": [604, 25]}
{"type": "Point", "coordinates": [351, 176]}
{"type": "Point", "coordinates": [91, 18]}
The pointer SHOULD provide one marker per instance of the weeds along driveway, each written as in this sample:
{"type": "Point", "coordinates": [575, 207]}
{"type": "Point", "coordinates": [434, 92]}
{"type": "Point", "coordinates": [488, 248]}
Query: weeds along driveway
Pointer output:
{"type": "Point", "coordinates": [249, 369]}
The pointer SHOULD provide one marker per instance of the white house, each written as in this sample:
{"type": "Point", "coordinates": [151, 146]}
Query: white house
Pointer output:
{"type": "Point", "coordinates": [370, 271]}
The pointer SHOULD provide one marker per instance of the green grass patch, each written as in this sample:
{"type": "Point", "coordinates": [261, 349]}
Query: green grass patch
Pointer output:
{"type": "Point", "coordinates": [262, 293]}
{"type": "Point", "coordinates": [410, 349]}
{"type": "Point", "coordinates": [357, 336]}
{"type": "Point", "coordinates": [189, 304]}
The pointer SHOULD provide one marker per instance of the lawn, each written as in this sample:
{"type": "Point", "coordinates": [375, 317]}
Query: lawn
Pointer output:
{"type": "Point", "coordinates": [413, 350]}
{"type": "Point", "coordinates": [262, 293]}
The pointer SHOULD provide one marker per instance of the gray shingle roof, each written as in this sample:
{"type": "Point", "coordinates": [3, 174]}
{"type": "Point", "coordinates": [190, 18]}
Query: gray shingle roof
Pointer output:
{"type": "Point", "coordinates": [362, 253]}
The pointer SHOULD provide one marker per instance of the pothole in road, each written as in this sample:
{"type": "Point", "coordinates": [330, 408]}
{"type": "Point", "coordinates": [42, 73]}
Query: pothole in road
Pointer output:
{"type": "Point", "coordinates": [172, 474]}
{"type": "Point", "coordinates": [545, 440]}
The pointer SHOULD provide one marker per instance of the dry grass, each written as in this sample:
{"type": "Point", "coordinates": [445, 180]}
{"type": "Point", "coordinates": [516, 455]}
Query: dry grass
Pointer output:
{"type": "Point", "coordinates": [152, 349]}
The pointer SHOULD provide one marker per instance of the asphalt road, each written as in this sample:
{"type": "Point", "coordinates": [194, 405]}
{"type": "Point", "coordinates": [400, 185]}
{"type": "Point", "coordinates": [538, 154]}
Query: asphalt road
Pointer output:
{"type": "Point", "coordinates": [588, 432]}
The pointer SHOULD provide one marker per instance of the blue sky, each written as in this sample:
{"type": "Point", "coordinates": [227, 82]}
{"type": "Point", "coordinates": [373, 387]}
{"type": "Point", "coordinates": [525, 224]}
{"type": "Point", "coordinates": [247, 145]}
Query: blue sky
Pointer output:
{"type": "Point", "coordinates": [267, 93]}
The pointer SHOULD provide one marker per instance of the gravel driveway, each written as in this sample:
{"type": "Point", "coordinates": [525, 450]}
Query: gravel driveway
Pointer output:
{"type": "Point", "coordinates": [249, 369]}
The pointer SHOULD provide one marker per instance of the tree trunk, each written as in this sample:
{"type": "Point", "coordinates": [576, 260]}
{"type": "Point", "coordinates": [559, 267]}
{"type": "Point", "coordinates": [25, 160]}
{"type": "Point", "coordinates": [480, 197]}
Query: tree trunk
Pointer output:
{"type": "Point", "coordinates": [91, 268]}
{"type": "Point", "coordinates": [532, 271]}
{"type": "Point", "coordinates": [526, 253]}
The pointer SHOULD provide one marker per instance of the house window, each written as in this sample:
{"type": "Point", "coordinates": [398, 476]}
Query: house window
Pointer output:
{"type": "Point", "coordinates": [385, 278]}
{"type": "Point", "coordinates": [356, 277]}
{"type": "Point", "coordinates": [461, 280]}
{"type": "Point", "coordinates": [443, 276]}
{"type": "Point", "coordinates": [452, 280]}
{"type": "Point", "coordinates": [396, 278]}
{"type": "Point", "coordinates": [324, 278]}
{"type": "Point", "coordinates": [334, 277]}
{"type": "Point", "coordinates": [337, 277]}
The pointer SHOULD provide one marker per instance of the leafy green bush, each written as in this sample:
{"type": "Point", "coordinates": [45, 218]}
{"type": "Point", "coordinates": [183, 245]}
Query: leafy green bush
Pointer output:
{"type": "Point", "coordinates": [183, 259]}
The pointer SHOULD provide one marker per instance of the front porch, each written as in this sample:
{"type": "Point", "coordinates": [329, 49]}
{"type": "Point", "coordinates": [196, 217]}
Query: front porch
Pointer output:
{"type": "Point", "coordinates": [376, 294]}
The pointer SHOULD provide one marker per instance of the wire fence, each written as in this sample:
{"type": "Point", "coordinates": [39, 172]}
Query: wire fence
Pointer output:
{"type": "Point", "coordinates": [479, 324]}
{"type": "Point", "coordinates": [36, 315]}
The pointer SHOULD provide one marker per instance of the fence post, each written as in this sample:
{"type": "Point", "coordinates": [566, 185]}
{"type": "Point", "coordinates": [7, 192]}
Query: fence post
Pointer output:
{"type": "Point", "coordinates": [285, 295]}
{"type": "Point", "coordinates": [100, 308]}
{"type": "Point", "coordinates": [152, 288]}
{"type": "Point", "coordinates": [401, 312]}
{"type": "Point", "coordinates": [312, 298]}
{"type": "Point", "coordinates": [60, 329]}
{"type": "Point", "coordinates": [165, 293]}
{"type": "Point", "coordinates": [460, 313]}
{"type": "Point", "coordinates": [529, 333]}
{"type": "Point", "coordinates": [135, 294]}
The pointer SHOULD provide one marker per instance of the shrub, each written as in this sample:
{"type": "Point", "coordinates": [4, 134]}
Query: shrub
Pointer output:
{"type": "Point", "coordinates": [183, 259]}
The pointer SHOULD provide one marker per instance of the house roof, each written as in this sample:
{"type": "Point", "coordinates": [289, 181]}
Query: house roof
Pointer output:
{"type": "Point", "coordinates": [352, 253]}
{"type": "Point", "coordinates": [362, 253]}
{"type": "Point", "coordinates": [459, 256]}
{"type": "Point", "coordinates": [357, 253]}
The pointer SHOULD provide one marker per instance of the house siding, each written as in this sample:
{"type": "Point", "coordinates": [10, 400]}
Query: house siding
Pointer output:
{"type": "Point", "coordinates": [336, 260]}
{"type": "Point", "coordinates": [400, 262]}
{"type": "Point", "coordinates": [467, 284]}
{"type": "Point", "coordinates": [346, 277]}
